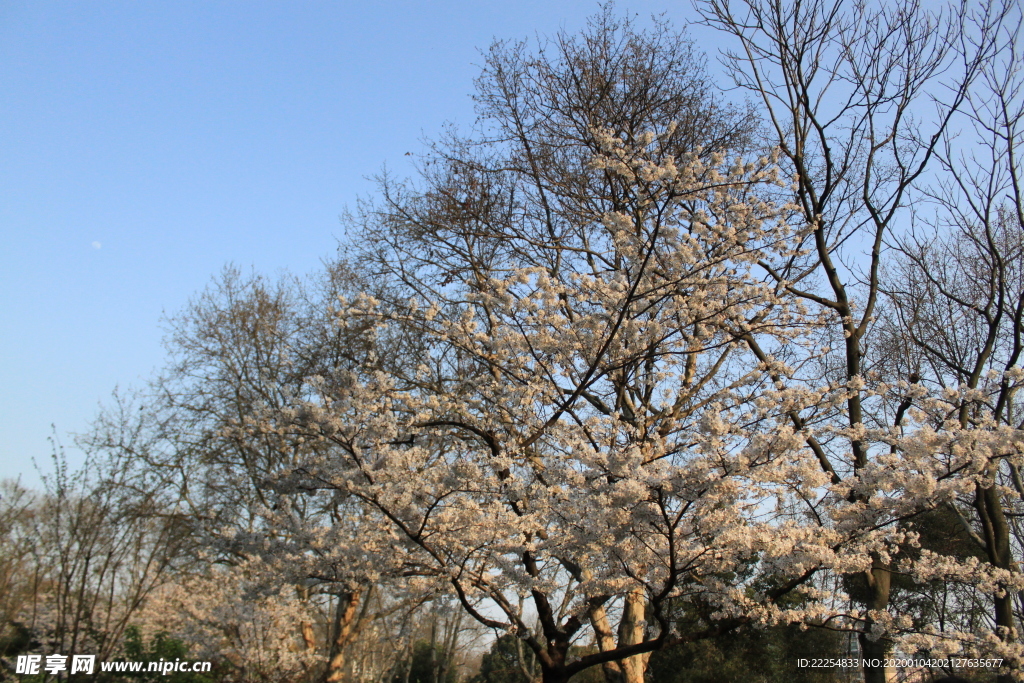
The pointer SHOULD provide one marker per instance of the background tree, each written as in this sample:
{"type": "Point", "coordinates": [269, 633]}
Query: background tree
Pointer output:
{"type": "Point", "coordinates": [15, 563]}
{"type": "Point", "coordinates": [159, 648]}
{"type": "Point", "coordinates": [764, 655]}
{"type": "Point", "coordinates": [955, 318]}
{"type": "Point", "coordinates": [244, 345]}
{"type": "Point", "coordinates": [318, 609]}
{"type": "Point", "coordinates": [88, 551]}
{"type": "Point", "coordinates": [507, 661]}
{"type": "Point", "coordinates": [840, 84]}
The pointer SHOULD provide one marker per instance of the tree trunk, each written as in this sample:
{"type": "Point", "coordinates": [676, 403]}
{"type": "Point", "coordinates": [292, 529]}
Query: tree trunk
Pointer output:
{"type": "Point", "coordinates": [344, 618]}
{"type": "Point", "coordinates": [308, 637]}
{"type": "Point", "coordinates": [552, 661]}
{"type": "Point", "coordinates": [605, 641]}
{"type": "Point", "coordinates": [879, 579]}
{"type": "Point", "coordinates": [631, 632]}
{"type": "Point", "coordinates": [997, 539]}
{"type": "Point", "coordinates": [551, 676]}
{"type": "Point", "coordinates": [433, 648]}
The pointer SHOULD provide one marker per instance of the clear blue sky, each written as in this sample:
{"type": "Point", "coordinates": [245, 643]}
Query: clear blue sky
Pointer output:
{"type": "Point", "coordinates": [144, 144]}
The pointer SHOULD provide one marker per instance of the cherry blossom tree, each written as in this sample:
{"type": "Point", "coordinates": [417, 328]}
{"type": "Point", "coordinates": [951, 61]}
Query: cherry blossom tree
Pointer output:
{"type": "Point", "coordinates": [625, 393]}
{"type": "Point", "coordinates": [580, 435]}
{"type": "Point", "coordinates": [235, 618]}
{"type": "Point", "coordinates": [599, 421]}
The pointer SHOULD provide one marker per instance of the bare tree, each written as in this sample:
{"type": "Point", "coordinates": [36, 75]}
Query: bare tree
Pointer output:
{"type": "Point", "coordinates": [90, 548]}
{"type": "Point", "coordinates": [16, 550]}
{"type": "Point", "coordinates": [956, 313]}
{"type": "Point", "coordinates": [845, 87]}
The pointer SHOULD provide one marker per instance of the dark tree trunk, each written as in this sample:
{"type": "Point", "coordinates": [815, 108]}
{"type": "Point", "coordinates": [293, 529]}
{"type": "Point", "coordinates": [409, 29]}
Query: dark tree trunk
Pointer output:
{"type": "Point", "coordinates": [875, 652]}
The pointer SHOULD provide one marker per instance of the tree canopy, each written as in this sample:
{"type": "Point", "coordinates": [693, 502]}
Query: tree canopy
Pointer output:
{"type": "Point", "coordinates": [628, 374]}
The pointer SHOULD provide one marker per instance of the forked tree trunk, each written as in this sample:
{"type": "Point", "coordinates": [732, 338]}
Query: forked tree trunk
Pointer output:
{"type": "Point", "coordinates": [631, 632]}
